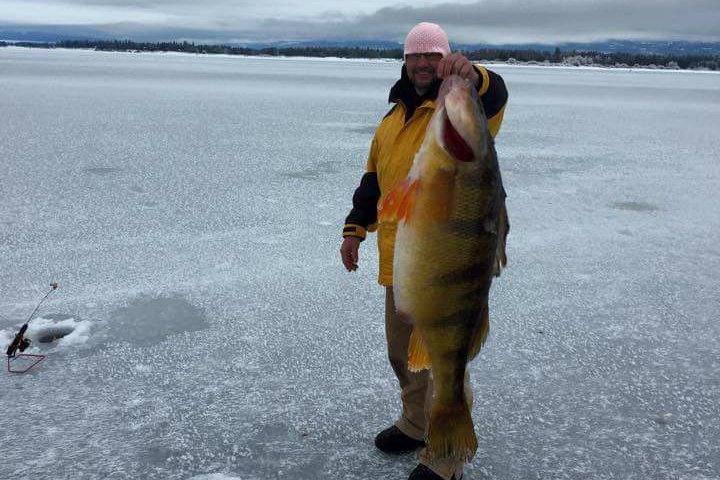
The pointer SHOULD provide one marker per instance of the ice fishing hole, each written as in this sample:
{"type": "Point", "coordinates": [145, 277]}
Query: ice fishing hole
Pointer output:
{"type": "Point", "coordinates": [364, 130]}
{"type": "Point", "coordinates": [102, 171]}
{"type": "Point", "coordinates": [50, 334]}
{"type": "Point", "coordinates": [635, 206]}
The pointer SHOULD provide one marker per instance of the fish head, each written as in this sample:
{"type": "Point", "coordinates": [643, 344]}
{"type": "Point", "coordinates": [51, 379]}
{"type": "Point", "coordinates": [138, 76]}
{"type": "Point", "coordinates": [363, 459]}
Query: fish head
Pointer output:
{"type": "Point", "coordinates": [460, 124]}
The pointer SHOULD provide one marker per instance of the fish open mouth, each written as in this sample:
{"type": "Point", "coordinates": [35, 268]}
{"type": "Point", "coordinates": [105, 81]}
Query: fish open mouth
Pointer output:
{"type": "Point", "coordinates": [454, 143]}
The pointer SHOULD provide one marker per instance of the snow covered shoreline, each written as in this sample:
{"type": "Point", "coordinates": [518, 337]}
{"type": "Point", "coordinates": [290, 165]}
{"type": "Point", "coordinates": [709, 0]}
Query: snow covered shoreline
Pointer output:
{"type": "Point", "coordinates": [512, 64]}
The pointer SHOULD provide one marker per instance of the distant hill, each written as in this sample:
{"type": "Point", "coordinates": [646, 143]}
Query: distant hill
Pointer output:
{"type": "Point", "coordinates": [375, 44]}
{"type": "Point", "coordinates": [59, 33]}
{"type": "Point", "coordinates": [611, 46]}
{"type": "Point", "coordinates": [50, 34]}
{"type": "Point", "coordinates": [617, 46]}
{"type": "Point", "coordinates": [529, 56]}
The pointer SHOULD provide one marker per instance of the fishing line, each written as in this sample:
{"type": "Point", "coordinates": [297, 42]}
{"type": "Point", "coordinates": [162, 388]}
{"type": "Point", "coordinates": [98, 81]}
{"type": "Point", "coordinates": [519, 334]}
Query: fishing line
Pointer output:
{"type": "Point", "coordinates": [20, 343]}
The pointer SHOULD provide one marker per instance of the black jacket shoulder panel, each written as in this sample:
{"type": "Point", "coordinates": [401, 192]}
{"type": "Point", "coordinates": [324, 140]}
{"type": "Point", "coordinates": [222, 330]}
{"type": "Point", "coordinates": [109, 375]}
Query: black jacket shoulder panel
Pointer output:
{"type": "Point", "coordinates": [496, 95]}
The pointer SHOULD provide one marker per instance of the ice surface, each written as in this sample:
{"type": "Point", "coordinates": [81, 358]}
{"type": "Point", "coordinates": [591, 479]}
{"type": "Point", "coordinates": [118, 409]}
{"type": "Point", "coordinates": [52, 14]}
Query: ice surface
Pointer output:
{"type": "Point", "coordinates": [215, 476]}
{"type": "Point", "coordinates": [190, 208]}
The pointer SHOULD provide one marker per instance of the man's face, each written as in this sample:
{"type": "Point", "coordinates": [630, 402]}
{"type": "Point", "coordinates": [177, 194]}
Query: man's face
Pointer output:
{"type": "Point", "coordinates": [421, 69]}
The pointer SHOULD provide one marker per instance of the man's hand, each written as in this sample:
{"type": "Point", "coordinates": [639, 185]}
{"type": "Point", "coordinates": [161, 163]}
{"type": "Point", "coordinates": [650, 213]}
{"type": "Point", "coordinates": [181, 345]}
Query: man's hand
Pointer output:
{"type": "Point", "coordinates": [349, 253]}
{"type": "Point", "coordinates": [457, 64]}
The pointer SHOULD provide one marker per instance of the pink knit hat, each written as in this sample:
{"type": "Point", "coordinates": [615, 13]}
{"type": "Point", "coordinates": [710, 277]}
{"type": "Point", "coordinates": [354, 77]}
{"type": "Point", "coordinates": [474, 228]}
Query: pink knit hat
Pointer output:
{"type": "Point", "coordinates": [427, 38]}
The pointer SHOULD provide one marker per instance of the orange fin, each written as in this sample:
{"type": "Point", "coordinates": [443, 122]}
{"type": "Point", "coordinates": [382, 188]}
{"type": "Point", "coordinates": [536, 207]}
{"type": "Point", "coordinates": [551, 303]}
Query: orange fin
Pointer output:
{"type": "Point", "coordinates": [397, 204]}
{"type": "Point", "coordinates": [418, 358]}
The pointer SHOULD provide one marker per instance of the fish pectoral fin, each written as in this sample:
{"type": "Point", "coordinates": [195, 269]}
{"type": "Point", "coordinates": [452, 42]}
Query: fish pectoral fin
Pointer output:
{"type": "Point", "coordinates": [397, 204]}
{"type": "Point", "coordinates": [481, 333]}
{"type": "Point", "coordinates": [418, 357]}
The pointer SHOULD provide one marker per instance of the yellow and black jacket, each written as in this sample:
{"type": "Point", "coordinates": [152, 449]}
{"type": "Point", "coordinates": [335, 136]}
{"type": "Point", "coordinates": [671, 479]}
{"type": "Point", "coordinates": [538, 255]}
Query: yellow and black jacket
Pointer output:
{"type": "Point", "coordinates": [396, 141]}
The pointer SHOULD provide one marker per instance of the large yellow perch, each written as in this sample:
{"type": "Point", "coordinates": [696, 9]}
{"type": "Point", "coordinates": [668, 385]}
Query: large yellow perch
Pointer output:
{"type": "Point", "coordinates": [450, 242]}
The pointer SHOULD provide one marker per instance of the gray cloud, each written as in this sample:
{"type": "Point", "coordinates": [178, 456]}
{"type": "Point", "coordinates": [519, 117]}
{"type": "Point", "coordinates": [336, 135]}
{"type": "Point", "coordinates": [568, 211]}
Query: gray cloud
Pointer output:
{"type": "Point", "coordinates": [509, 21]}
{"type": "Point", "coordinates": [486, 21]}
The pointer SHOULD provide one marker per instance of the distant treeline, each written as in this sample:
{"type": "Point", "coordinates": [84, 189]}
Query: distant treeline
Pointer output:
{"type": "Point", "coordinates": [571, 57]}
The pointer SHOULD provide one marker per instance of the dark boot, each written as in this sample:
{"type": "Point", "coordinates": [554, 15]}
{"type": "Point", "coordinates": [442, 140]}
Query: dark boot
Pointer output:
{"type": "Point", "coordinates": [422, 472]}
{"type": "Point", "coordinates": [393, 440]}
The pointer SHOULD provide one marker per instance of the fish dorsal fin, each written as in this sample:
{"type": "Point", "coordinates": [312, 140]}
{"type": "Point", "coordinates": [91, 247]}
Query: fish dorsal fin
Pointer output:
{"type": "Point", "coordinates": [503, 228]}
{"type": "Point", "coordinates": [481, 333]}
{"type": "Point", "coordinates": [398, 204]}
{"type": "Point", "coordinates": [418, 357]}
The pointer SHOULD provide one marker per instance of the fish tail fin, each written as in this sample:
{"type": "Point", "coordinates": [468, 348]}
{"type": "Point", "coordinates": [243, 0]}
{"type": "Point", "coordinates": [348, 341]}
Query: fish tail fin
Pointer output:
{"type": "Point", "coordinates": [418, 357]}
{"type": "Point", "coordinates": [397, 204]}
{"type": "Point", "coordinates": [481, 335]}
{"type": "Point", "coordinates": [451, 433]}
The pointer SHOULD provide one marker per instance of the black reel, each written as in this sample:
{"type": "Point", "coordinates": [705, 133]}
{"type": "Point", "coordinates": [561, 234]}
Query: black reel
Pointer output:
{"type": "Point", "coordinates": [20, 343]}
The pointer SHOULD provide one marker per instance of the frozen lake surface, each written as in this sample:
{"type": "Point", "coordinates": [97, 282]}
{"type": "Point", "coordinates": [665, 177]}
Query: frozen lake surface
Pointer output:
{"type": "Point", "coordinates": [190, 208]}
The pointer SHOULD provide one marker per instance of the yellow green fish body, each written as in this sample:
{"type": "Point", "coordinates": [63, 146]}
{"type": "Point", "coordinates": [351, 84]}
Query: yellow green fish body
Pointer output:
{"type": "Point", "coordinates": [449, 244]}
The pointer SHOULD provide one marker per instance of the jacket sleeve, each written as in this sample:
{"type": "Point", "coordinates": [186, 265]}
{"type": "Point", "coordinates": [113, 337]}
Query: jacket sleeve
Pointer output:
{"type": "Point", "coordinates": [363, 216]}
{"type": "Point", "coordinates": [494, 96]}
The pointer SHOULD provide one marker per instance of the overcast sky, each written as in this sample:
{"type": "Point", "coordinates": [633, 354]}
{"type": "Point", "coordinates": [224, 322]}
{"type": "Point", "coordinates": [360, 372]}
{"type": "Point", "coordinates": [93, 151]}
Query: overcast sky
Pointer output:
{"type": "Point", "coordinates": [485, 21]}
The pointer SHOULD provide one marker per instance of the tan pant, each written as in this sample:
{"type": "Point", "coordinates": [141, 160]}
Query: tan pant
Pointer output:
{"type": "Point", "coordinates": [416, 389]}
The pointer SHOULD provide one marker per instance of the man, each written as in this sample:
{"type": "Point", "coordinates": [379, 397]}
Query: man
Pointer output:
{"type": "Point", "coordinates": [398, 138]}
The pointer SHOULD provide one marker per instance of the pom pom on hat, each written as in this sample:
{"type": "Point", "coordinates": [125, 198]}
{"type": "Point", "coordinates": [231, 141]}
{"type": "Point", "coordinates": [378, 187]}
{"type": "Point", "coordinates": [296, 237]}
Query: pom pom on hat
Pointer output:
{"type": "Point", "coordinates": [427, 38]}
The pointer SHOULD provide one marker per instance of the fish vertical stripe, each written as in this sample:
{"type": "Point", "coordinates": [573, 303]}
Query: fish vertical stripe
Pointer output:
{"type": "Point", "coordinates": [461, 276]}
